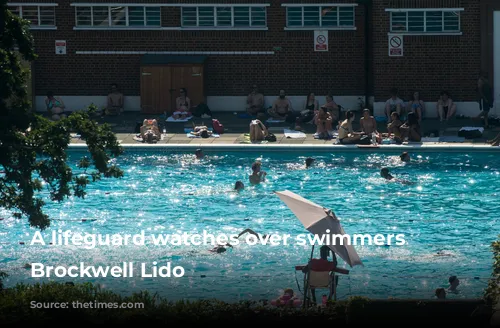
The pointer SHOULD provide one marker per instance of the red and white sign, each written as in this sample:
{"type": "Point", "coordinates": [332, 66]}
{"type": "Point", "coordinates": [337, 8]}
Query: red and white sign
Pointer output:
{"type": "Point", "coordinates": [320, 40]}
{"type": "Point", "coordinates": [60, 47]}
{"type": "Point", "coordinates": [395, 45]}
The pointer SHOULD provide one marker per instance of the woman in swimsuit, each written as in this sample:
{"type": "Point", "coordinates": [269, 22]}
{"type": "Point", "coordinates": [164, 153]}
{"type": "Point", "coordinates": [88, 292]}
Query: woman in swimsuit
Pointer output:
{"type": "Point", "coordinates": [346, 133]}
{"type": "Point", "coordinates": [445, 106]}
{"type": "Point", "coordinates": [55, 106]}
{"type": "Point", "coordinates": [394, 127]}
{"type": "Point", "coordinates": [183, 105]}
{"type": "Point", "coordinates": [411, 129]}
{"type": "Point", "coordinates": [417, 105]}
{"type": "Point", "coordinates": [310, 110]}
{"type": "Point", "coordinates": [324, 123]}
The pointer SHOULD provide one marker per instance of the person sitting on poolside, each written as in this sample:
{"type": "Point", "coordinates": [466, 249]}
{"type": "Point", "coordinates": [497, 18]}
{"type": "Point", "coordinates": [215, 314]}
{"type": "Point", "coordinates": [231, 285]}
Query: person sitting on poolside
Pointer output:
{"type": "Point", "coordinates": [333, 108]}
{"type": "Point", "coordinates": [394, 104]}
{"type": "Point", "coordinates": [115, 101]}
{"type": "Point", "coordinates": [201, 131]}
{"type": "Point", "coordinates": [183, 106]}
{"type": "Point", "coordinates": [324, 123]}
{"type": "Point", "coordinates": [346, 133]}
{"type": "Point", "coordinates": [258, 131]}
{"type": "Point", "coordinates": [257, 176]}
{"type": "Point", "coordinates": [411, 129]}
{"type": "Point", "coordinates": [394, 127]}
{"type": "Point", "coordinates": [405, 157]}
{"type": "Point", "coordinates": [150, 132]}
{"type": "Point", "coordinates": [495, 141]}
{"type": "Point", "coordinates": [55, 106]}
{"type": "Point", "coordinates": [255, 102]}
{"type": "Point", "coordinates": [368, 125]}
{"type": "Point", "coordinates": [239, 186]}
{"type": "Point", "coordinates": [445, 106]}
{"type": "Point", "coordinates": [282, 107]}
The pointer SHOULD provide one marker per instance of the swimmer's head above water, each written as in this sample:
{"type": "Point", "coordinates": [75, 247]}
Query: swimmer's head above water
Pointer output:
{"type": "Point", "coordinates": [309, 161]}
{"type": "Point", "coordinates": [385, 173]}
{"type": "Point", "coordinates": [405, 157]}
{"type": "Point", "coordinates": [199, 153]}
{"type": "Point", "coordinates": [239, 186]}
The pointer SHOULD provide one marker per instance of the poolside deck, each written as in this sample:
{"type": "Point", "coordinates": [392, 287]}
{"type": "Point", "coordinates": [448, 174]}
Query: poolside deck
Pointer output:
{"type": "Point", "coordinates": [236, 128]}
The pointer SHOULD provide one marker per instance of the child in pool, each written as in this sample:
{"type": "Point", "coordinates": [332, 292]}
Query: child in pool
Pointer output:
{"type": "Point", "coordinates": [287, 299]}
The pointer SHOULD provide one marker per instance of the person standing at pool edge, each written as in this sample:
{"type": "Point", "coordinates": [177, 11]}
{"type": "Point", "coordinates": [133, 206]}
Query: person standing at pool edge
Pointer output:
{"type": "Point", "coordinates": [257, 176]}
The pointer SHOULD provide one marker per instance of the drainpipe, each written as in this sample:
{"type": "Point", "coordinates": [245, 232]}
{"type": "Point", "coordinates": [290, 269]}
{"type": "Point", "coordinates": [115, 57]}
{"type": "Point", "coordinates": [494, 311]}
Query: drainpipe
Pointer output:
{"type": "Point", "coordinates": [368, 33]}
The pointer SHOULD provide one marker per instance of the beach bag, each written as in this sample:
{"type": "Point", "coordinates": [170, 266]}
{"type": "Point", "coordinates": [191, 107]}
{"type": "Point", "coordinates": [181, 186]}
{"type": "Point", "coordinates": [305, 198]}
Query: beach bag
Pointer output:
{"type": "Point", "coordinates": [270, 137]}
{"type": "Point", "coordinates": [217, 126]}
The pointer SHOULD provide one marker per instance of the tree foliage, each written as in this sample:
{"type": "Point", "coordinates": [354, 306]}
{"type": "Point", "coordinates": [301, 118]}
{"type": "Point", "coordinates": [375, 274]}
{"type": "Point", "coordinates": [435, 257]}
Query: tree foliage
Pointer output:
{"type": "Point", "coordinates": [33, 149]}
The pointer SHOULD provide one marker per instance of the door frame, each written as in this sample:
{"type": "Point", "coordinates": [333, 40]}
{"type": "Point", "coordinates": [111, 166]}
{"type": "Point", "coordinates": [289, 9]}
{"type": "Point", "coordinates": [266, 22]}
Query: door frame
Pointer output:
{"type": "Point", "coordinates": [487, 16]}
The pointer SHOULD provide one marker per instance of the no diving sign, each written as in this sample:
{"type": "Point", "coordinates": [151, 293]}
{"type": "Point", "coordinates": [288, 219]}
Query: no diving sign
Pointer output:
{"type": "Point", "coordinates": [395, 45]}
{"type": "Point", "coordinates": [320, 40]}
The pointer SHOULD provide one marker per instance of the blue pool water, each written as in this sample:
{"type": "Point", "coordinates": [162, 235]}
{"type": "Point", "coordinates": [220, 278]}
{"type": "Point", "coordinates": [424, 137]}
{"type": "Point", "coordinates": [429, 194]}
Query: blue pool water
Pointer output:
{"type": "Point", "coordinates": [452, 207]}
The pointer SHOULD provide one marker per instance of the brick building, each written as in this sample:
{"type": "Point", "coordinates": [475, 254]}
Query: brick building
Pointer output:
{"type": "Point", "coordinates": [218, 49]}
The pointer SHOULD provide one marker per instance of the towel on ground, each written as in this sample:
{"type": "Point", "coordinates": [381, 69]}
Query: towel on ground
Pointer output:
{"type": "Point", "coordinates": [428, 139]}
{"type": "Point", "coordinates": [138, 138]}
{"type": "Point", "coordinates": [292, 134]}
{"type": "Point", "coordinates": [472, 128]}
{"type": "Point", "coordinates": [451, 139]}
{"type": "Point", "coordinates": [189, 135]}
{"type": "Point", "coordinates": [171, 119]}
{"type": "Point", "coordinates": [246, 140]}
{"type": "Point", "coordinates": [272, 120]}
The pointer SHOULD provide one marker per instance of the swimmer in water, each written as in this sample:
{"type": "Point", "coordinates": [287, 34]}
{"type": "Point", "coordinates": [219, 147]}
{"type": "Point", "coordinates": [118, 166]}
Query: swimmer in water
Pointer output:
{"type": "Point", "coordinates": [220, 248]}
{"type": "Point", "coordinates": [387, 175]}
{"type": "Point", "coordinates": [309, 162]}
{"type": "Point", "coordinates": [239, 186]}
{"type": "Point", "coordinates": [250, 231]}
{"type": "Point", "coordinates": [257, 176]}
{"type": "Point", "coordinates": [405, 157]}
{"type": "Point", "coordinates": [442, 253]}
{"type": "Point", "coordinates": [199, 154]}
{"type": "Point", "coordinates": [454, 282]}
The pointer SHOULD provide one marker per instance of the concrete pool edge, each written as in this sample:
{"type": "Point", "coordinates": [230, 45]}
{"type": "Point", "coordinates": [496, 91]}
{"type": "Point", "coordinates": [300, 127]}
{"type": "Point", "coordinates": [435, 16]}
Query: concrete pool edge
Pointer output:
{"type": "Point", "coordinates": [449, 147]}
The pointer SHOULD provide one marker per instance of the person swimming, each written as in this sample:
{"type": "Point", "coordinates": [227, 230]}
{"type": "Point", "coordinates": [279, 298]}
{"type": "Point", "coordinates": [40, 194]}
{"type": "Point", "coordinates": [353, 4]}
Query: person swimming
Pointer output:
{"type": "Point", "coordinates": [388, 176]}
{"type": "Point", "coordinates": [405, 157]}
{"type": "Point", "coordinates": [454, 282]}
{"type": "Point", "coordinates": [238, 186]}
{"type": "Point", "coordinates": [257, 176]}
{"type": "Point", "coordinates": [250, 231]}
{"type": "Point", "coordinates": [199, 153]}
{"type": "Point", "coordinates": [309, 162]}
{"type": "Point", "coordinates": [221, 248]}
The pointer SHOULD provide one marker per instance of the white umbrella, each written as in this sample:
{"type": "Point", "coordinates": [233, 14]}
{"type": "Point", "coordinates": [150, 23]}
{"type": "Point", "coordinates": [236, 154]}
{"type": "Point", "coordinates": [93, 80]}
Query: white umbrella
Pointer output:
{"type": "Point", "coordinates": [317, 220]}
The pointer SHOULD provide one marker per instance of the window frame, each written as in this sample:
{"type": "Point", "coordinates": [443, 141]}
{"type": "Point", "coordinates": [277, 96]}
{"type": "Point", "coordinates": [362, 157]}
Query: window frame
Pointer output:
{"type": "Point", "coordinates": [127, 26]}
{"type": "Point", "coordinates": [320, 5]}
{"type": "Point", "coordinates": [425, 11]}
{"type": "Point", "coordinates": [38, 5]}
{"type": "Point", "coordinates": [223, 28]}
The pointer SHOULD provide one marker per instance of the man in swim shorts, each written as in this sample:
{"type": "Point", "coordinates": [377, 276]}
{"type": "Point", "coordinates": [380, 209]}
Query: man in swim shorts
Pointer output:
{"type": "Point", "coordinates": [257, 176]}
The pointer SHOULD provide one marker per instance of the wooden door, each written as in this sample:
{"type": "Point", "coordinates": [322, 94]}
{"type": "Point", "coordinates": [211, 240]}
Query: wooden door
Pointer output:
{"type": "Point", "coordinates": [155, 85]}
{"type": "Point", "coordinates": [191, 78]}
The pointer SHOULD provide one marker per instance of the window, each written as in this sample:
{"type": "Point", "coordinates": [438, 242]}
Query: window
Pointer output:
{"type": "Point", "coordinates": [223, 16]}
{"type": "Point", "coordinates": [118, 16]}
{"type": "Point", "coordinates": [328, 16]}
{"type": "Point", "coordinates": [422, 21]}
{"type": "Point", "coordinates": [40, 16]}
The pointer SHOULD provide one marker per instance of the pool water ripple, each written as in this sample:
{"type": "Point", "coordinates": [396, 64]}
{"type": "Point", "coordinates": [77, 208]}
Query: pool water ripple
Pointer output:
{"type": "Point", "coordinates": [451, 208]}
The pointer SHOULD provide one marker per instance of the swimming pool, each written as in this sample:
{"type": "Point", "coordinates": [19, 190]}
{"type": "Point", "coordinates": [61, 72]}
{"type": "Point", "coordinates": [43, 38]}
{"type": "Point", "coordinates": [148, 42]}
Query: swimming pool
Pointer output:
{"type": "Point", "coordinates": [451, 208]}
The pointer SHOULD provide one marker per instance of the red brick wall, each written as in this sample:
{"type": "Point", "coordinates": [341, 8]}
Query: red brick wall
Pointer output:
{"type": "Point", "coordinates": [430, 63]}
{"type": "Point", "coordinates": [296, 68]}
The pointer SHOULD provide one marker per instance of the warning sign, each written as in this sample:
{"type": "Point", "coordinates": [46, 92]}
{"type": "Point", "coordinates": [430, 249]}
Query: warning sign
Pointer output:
{"type": "Point", "coordinates": [395, 45]}
{"type": "Point", "coordinates": [60, 47]}
{"type": "Point", "coordinates": [320, 40]}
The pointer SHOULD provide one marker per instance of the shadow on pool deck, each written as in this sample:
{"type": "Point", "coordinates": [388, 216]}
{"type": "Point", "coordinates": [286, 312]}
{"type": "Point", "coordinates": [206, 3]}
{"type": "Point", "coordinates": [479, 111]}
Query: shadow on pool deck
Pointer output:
{"type": "Point", "coordinates": [235, 128]}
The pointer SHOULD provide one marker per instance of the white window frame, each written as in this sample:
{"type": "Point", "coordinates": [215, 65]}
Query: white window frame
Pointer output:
{"type": "Point", "coordinates": [320, 5]}
{"type": "Point", "coordinates": [34, 4]}
{"type": "Point", "coordinates": [424, 10]}
{"type": "Point", "coordinates": [223, 28]}
{"type": "Point", "coordinates": [118, 28]}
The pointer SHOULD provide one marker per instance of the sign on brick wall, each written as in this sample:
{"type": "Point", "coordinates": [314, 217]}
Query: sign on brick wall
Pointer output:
{"type": "Point", "coordinates": [395, 45]}
{"type": "Point", "coordinates": [320, 40]}
{"type": "Point", "coordinates": [60, 47]}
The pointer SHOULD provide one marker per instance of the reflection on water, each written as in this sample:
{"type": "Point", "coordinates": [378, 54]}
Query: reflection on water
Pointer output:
{"type": "Point", "coordinates": [447, 216]}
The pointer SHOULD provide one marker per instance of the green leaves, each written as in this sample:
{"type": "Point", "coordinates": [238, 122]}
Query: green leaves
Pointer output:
{"type": "Point", "coordinates": [33, 149]}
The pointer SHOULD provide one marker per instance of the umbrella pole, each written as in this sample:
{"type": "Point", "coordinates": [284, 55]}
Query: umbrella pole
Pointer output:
{"type": "Point", "coordinates": [307, 300]}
